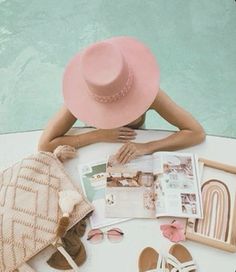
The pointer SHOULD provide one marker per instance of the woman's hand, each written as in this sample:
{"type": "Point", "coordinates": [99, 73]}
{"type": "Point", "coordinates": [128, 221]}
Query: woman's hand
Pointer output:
{"type": "Point", "coordinates": [130, 151]}
{"type": "Point", "coordinates": [122, 135]}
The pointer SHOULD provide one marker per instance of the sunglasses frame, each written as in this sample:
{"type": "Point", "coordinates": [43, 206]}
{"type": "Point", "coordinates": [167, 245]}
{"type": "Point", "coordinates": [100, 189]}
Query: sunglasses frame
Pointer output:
{"type": "Point", "coordinates": [119, 232]}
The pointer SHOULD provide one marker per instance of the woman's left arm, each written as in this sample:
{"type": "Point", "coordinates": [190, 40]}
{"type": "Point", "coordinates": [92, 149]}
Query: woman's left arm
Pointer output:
{"type": "Point", "coordinates": [190, 131]}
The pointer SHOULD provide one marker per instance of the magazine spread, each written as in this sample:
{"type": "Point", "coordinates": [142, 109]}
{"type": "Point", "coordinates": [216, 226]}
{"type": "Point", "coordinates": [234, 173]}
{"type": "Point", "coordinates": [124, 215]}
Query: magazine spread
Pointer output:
{"type": "Point", "coordinates": [162, 184]}
{"type": "Point", "coordinates": [93, 178]}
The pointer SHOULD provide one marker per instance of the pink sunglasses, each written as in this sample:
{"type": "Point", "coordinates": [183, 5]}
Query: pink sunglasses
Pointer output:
{"type": "Point", "coordinates": [96, 235]}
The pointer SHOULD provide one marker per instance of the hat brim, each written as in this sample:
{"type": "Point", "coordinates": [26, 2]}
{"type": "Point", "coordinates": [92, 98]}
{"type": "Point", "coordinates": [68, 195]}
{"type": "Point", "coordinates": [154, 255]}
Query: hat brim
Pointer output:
{"type": "Point", "coordinates": [130, 107]}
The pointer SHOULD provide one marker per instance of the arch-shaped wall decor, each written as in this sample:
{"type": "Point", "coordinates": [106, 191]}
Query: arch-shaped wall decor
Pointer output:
{"type": "Point", "coordinates": [217, 228]}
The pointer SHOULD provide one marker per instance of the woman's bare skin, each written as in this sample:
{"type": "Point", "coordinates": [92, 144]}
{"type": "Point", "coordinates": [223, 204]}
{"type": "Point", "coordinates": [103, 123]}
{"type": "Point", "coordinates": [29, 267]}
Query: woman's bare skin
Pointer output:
{"type": "Point", "coordinates": [190, 132]}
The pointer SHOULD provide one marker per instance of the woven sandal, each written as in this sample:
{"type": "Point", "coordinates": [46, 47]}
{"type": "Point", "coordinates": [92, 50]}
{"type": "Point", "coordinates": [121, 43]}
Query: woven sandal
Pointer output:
{"type": "Point", "coordinates": [179, 259]}
{"type": "Point", "coordinates": [151, 261]}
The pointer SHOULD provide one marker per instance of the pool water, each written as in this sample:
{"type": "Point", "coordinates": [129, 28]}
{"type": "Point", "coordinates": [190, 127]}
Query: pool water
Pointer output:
{"type": "Point", "coordinates": [193, 41]}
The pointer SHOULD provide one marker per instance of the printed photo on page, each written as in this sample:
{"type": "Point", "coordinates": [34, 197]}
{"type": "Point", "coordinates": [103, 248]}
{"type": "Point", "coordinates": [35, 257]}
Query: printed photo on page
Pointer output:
{"type": "Point", "coordinates": [163, 184]}
{"type": "Point", "coordinates": [130, 194]}
{"type": "Point", "coordinates": [131, 187]}
{"type": "Point", "coordinates": [178, 187]}
{"type": "Point", "coordinates": [93, 181]}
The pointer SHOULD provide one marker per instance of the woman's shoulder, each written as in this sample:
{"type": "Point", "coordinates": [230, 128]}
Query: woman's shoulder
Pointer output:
{"type": "Point", "coordinates": [161, 95]}
{"type": "Point", "coordinates": [64, 113]}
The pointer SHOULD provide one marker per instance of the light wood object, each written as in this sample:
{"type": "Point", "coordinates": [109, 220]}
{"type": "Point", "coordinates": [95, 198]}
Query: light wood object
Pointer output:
{"type": "Point", "coordinates": [218, 227]}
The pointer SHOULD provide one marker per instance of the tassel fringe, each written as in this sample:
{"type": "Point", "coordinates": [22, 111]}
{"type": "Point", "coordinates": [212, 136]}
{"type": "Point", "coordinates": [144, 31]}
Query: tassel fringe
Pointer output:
{"type": "Point", "coordinates": [67, 200]}
{"type": "Point", "coordinates": [62, 227]}
{"type": "Point", "coordinates": [64, 152]}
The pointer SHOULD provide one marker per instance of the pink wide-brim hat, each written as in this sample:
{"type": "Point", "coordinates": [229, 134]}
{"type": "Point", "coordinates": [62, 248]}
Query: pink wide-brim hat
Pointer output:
{"type": "Point", "coordinates": [111, 83]}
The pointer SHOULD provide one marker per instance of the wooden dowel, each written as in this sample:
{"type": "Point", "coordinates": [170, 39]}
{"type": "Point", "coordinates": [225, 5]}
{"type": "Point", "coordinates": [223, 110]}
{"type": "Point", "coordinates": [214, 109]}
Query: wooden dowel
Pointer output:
{"type": "Point", "coordinates": [218, 165]}
{"type": "Point", "coordinates": [210, 242]}
{"type": "Point", "coordinates": [233, 224]}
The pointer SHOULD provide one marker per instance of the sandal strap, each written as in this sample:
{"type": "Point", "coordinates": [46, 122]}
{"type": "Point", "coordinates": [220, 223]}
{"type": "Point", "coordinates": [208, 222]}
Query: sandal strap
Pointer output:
{"type": "Point", "coordinates": [180, 267]}
{"type": "Point", "coordinates": [161, 265]}
{"type": "Point", "coordinates": [68, 258]}
{"type": "Point", "coordinates": [157, 270]}
{"type": "Point", "coordinates": [25, 268]}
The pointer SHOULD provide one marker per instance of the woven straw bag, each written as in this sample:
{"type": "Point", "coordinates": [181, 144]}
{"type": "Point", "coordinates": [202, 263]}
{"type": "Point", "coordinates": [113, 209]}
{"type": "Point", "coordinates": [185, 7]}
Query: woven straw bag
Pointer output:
{"type": "Point", "coordinates": [30, 213]}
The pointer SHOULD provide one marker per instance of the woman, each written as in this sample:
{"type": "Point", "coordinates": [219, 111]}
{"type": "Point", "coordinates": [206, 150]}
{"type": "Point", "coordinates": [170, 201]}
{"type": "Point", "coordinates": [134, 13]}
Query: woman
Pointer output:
{"type": "Point", "coordinates": [111, 85]}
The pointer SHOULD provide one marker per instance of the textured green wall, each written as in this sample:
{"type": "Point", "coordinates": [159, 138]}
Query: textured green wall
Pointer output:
{"type": "Point", "coordinates": [193, 40]}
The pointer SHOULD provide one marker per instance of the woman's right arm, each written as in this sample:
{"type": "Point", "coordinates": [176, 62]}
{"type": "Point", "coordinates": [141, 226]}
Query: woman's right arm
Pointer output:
{"type": "Point", "coordinates": [58, 126]}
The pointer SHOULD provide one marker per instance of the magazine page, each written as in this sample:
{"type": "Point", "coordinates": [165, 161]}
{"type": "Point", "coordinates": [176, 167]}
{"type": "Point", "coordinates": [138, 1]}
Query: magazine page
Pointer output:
{"type": "Point", "coordinates": [144, 163]}
{"type": "Point", "coordinates": [178, 189]}
{"type": "Point", "coordinates": [157, 163]}
{"type": "Point", "coordinates": [130, 188]}
{"type": "Point", "coordinates": [93, 182]}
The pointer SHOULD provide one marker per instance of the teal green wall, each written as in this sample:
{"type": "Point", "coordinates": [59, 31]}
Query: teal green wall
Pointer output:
{"type": "Point", "coordinates": [193, 40]}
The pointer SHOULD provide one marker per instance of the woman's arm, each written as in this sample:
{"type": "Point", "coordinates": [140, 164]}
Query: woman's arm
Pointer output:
{"type": "Point", "coordinates": [54, 133]}
{"type": "Point", "coordinates": [58, 126]}
{"type": "Point", "coordinates": [190, 131]}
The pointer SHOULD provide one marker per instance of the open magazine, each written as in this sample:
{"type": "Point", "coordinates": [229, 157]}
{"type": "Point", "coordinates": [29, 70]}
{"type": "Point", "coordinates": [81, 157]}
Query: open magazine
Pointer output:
{"type": "Point", "coordinates": [161, 184]}
{"type": "Point", "coordinates": [93, 178]}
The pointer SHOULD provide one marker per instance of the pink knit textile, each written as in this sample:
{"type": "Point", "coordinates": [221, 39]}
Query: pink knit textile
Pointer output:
{"type": "Point", "coordinates": [29, 211]}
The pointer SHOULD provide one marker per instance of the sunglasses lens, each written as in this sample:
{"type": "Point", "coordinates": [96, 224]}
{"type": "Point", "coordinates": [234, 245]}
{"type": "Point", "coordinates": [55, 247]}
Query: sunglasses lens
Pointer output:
{"type": "Point", "coordinates": [115, 235]}
{"type": "Point", "coordinates": [95, 236]}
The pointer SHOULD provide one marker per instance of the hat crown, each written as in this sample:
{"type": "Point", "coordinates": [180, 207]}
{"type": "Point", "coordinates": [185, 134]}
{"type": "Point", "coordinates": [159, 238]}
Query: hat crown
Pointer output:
{"type": "Point", "coordinates": [105, 70]}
